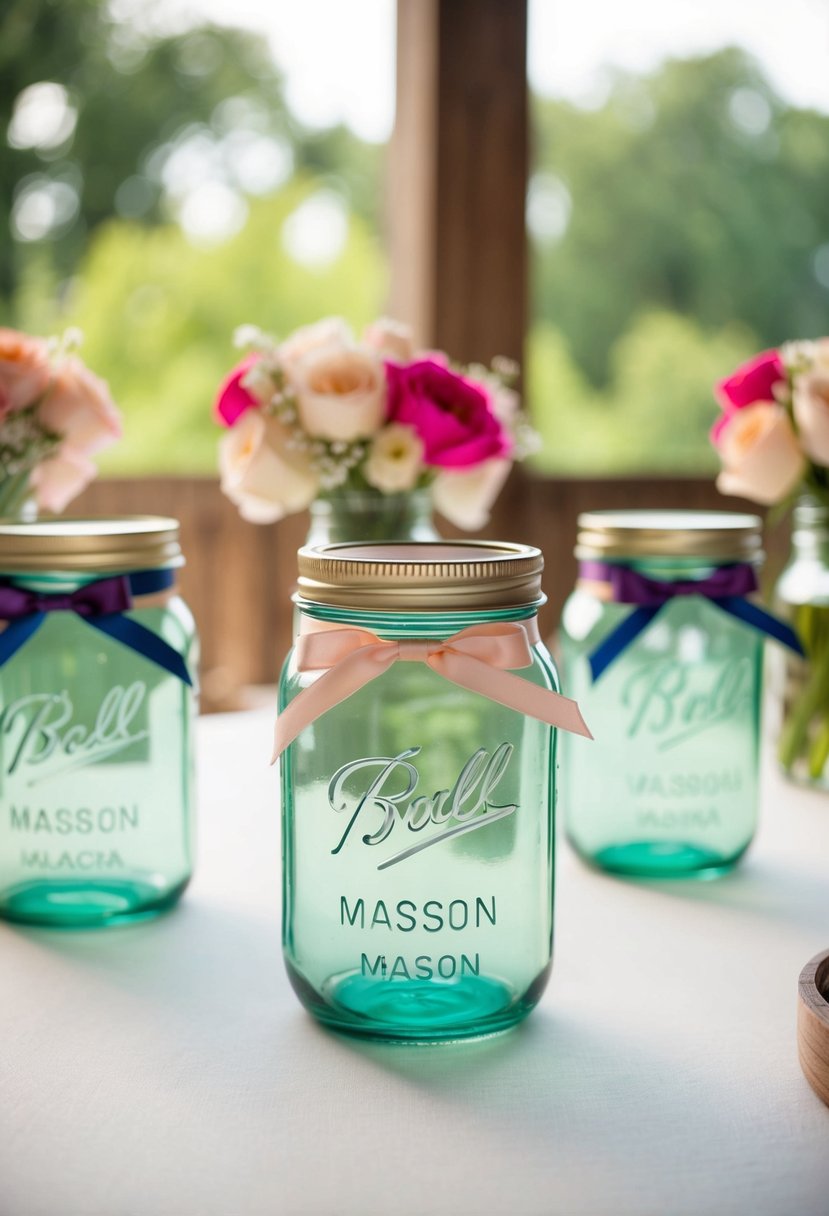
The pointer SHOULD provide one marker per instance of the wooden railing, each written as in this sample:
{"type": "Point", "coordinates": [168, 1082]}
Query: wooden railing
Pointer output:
{"type": "Point", "coordinates": [238, 576]}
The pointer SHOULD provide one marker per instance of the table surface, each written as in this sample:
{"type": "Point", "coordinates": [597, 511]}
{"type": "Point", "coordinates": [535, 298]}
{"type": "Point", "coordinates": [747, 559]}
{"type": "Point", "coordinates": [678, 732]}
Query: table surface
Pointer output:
{"type": "Point", "coordinates": [166, 1069]}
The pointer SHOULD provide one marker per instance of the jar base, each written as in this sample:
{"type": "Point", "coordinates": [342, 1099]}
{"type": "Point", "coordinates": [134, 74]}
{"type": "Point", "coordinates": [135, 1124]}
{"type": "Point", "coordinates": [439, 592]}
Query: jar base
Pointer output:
{"type": "Point", "coordinates": [79, 904]}
{"type": "Point", "coordinates": [660, 859]}
{"type": "Point", "coordinates": [411, 1010]}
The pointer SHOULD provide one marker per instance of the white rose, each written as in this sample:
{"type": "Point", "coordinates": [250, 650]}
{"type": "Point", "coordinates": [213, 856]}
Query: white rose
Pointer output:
{"type": "Point", "coordinates": [811, 413]}
{"type": "Point", "coordinates": [341, 393]}
{"type": "Point", "coordinates": [261, 474]}
{"type": "Point", "coordinates": [330, 332]}
{"type": "Point", "coordinates": [390, 339]}
{"type": "Point", "coordinates": [395, 460]}
{"type": "Point", "coordinates": [465, 496]}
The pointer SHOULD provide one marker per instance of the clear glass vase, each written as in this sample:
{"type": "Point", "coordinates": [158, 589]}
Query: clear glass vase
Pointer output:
{"type": "Point", "coordinates": [798, 706]}
{"type": "Point", "coordinates": [365, 515]}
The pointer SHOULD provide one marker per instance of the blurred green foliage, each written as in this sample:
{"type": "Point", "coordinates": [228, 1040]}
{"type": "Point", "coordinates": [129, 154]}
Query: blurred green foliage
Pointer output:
{"type": "Point", "coordinates": [695, 190]}
{"type": "Point", "coordinates": [677, 228]}
{"type": "Point", "coordinates": [158, 314]}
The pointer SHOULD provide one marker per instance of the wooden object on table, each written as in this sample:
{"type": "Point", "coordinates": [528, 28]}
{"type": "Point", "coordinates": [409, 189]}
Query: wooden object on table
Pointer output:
{"type": "Point", "coordinates": [813, 1024]}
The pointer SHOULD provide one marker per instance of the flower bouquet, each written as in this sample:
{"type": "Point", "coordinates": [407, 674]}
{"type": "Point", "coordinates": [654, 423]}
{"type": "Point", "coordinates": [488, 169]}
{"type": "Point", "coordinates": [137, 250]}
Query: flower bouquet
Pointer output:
{"type": "Point", "coordinates": [54, 413]}
{"type": "Point", "coordinates": [365, 428]}
{"type": "Point", "coordinates": [773, 441]}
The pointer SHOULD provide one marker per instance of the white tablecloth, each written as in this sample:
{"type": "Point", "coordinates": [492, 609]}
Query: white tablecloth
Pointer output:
{"type": "Point", "coordinates": [166, 1069]}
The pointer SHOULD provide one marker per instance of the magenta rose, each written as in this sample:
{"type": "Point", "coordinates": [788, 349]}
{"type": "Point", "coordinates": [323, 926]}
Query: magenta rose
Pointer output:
{"type": "Point", "coordinates": [233, 399]}
{"type": "Point", "coordinates": [752, 382]}
{"type": "Point", "coordinates": [452, 415]}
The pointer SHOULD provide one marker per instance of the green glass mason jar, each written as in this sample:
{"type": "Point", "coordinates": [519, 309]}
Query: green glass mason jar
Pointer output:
{"type": "Point", "coordinates": [97, 707]}
{"type": "Point", "coordinates": [417, 797]}
{"type": "Point", "coordinates": [670, 680]}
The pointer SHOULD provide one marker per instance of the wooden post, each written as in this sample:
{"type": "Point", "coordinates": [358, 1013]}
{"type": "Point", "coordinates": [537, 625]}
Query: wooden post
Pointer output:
{"type": "Point", "coordinates": [458, 174]}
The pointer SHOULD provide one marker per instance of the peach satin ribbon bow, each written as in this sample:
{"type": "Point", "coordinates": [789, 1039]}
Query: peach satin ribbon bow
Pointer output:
{"type": "Point", "coordinates": [480, 658]}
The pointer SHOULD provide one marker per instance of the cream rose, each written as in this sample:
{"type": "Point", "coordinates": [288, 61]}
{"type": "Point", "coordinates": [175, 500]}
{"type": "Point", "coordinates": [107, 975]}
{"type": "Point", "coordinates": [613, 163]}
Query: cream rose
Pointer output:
{"type": "Point", "coordinates": [465, 496]}
{"type": "Point", "coordinates": [79, 407]}
{"type": "Point", "coordinates": [760, 453]}
{"type": "Point", "coordinates": [395, 459]}
{"type": "Point", "coordinates": [331, 332]}
{"type": "Point", "coordinates": [61, 478]}
{"type": "Point", "coordinates": [341, 394]}
{"type": "Point", "coordinates": [390, 339]}
{"type": "Point", "coordinates": [261, 474]}
{"type": "Point", "coordinates": [811, 413]}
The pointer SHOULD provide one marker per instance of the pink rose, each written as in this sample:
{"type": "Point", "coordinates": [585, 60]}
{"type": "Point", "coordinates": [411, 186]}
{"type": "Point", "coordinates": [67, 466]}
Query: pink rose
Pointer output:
{"type": "Point", "coordinates": [78, 406]}
{"type": "Point", "coordinates": [761, 457]}
{"type": "Point", "coordinates": [233, 397]}
{"type": "Point", "coordinates": [59, 479]}
{"type": "Point", "coordinates": [24, 370]}
{"type": "Point", "coordinates": [452, 415]}
{"type": "Point", "coordinates": [752, 382]}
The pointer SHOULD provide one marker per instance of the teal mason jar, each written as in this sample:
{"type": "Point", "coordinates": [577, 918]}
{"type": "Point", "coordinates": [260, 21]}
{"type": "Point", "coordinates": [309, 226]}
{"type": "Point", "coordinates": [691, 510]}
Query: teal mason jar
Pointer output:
{"type": "Point", "coordinates": [97, 706]}
{"type": "Point", "coordinates": [659, 643]}
{"type": "Point", "coordinates": [418, 767]}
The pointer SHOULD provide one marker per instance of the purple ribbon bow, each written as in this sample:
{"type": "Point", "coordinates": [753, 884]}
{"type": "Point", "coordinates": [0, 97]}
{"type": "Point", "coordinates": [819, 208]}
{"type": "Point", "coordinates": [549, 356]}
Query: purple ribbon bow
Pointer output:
{"type": "Point", "coordinates": [101, 598]}
{"type": "Point", "coordinates": [101, 604]}
{"type": "Point", "coordinates": [726, 587]}
{"type": "Point", "coordinates": [628, 586]}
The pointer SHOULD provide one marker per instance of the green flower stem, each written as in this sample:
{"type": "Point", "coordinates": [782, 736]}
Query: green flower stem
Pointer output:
{"type": "Point", "coordinates": [14, 491]}
{"type": "Point", "coordinates": [819, 751]}
{"type": "Point", "coordinates": [811, 702]}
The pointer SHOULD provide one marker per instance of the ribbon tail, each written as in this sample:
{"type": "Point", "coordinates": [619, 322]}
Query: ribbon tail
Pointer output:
{"type": "Point", "coordinates": [758, 618]}
{"type": "Point", "coordinates": [512, 691]}
{"type": "Point", "coordinates": [143, 641]}
{"type": "Point", "coordinates": [336, 684]}
{"type": "Point", "coordinates": [620, 638]}
{"type": "Point", "coordinates": [17, 634]}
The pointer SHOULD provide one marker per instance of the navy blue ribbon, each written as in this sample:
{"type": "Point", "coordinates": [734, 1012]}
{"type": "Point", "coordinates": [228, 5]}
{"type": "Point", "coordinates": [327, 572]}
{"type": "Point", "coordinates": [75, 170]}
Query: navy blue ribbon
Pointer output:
{"type": "Point", "coordinates": [100, 604]}
{"type": "Point", "coordinates": [649, 596]}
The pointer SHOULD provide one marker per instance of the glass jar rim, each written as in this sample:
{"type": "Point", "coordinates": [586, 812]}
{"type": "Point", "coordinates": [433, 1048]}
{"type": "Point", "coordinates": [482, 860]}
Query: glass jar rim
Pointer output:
{"type": "Point", "coordinates": [422, 575]}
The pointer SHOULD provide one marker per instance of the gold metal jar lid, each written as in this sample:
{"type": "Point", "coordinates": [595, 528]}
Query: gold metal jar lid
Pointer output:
{"type": "Point", "coordinates": [425, 576]}
{"type": "Point", "coordinates": [90, 546]}
{"type": "Point", "coordinates": [720, 535]}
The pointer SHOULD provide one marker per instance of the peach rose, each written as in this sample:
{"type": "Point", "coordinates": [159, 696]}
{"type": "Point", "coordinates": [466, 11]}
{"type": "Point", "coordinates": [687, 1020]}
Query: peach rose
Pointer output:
{"type": "Point", "coordinates": [760, 453]}
{"type": "Point", "coordinates": [261, 474]}
{"type": "Point", "coordinates": [811, 413]}
{"type": "Point", "coordinates": [61, 478]}
{"type": "Point", "coordinates": [465, 496]}
{"type": "Point", "coordinates": [390, 340]}
{"type": "Point", "coordinates": [79, 407]}
{"type": "Point", "coordinates": [341, 393]}
{"type": "Point", "coordinates": [24, 370]}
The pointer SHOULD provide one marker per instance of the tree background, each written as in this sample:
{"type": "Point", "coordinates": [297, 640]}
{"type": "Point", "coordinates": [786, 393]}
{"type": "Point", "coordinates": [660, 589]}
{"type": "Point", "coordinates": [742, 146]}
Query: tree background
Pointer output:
{"type": "Point", "coordinates": [157, 192]}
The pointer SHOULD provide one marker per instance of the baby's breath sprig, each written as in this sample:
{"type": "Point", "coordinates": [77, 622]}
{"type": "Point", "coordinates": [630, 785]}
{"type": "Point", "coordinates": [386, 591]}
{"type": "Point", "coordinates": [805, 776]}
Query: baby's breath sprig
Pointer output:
{"type": "Point", "coordinates": [24, 442]}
